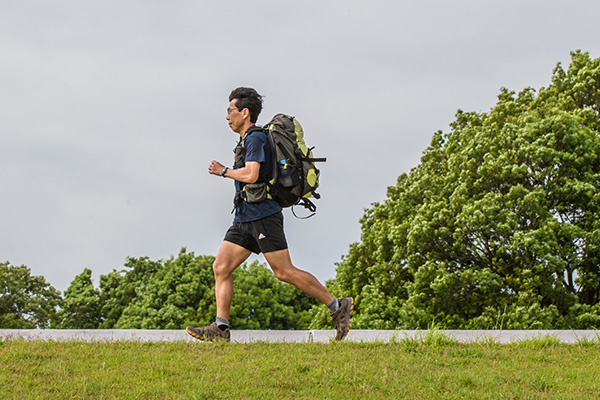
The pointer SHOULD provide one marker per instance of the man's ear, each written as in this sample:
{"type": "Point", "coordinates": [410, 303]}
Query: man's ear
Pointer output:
{"type": "Point", "coordinates": [245, 113]}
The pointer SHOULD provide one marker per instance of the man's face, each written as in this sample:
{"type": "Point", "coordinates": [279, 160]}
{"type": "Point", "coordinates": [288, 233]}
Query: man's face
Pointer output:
{"type": "Point", "coordinates": [235, 117]}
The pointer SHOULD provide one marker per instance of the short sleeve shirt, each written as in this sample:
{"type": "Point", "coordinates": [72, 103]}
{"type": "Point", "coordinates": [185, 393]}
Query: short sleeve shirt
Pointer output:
{"type": "Point", "coordinates": [257, 149]}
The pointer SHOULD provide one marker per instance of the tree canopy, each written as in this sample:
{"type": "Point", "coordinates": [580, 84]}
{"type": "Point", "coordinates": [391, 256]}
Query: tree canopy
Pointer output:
{"type": "Point", "coordinates": [147, 294]}
{"type": "Point", "coordinates": [180, 291]}
{"type": "Point", "coordinates": [26, 301]}
{"type": "Point", "coordinates": [498, 226]}
{"type": "Point", "coordinates": [80, 308]}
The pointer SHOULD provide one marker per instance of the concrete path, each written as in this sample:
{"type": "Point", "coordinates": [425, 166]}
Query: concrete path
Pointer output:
{"type": "Point", "coordinates": [240, 336]}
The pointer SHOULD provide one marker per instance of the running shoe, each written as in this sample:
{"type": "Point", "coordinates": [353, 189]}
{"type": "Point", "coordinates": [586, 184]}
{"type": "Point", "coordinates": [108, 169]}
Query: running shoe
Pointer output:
{"type": "Point", "coordinates": [210, 333]}
{"type": "Point", "coordinates": [342, 317]}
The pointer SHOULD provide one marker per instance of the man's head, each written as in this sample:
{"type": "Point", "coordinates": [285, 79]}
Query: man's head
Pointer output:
{"type": "Point", "coordinates": [245, 105]}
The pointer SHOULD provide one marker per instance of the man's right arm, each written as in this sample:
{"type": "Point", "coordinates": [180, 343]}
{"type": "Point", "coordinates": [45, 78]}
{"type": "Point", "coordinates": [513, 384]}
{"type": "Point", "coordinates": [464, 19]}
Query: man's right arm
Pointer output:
{"type": "Point", "coordinates": [247, 174]}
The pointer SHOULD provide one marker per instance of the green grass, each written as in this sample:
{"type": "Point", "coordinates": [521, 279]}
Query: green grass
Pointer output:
{"type": "Point", "coordinates": [428, 367]}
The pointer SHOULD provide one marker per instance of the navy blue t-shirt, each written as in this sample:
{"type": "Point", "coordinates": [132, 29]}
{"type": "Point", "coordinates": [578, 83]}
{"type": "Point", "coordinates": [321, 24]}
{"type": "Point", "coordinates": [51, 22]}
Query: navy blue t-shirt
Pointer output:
{"type": "Point", "coordinates": [257, 149]}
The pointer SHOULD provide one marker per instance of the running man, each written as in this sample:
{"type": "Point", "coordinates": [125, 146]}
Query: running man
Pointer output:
{"type": "Point", "coordinates": [257, 226]}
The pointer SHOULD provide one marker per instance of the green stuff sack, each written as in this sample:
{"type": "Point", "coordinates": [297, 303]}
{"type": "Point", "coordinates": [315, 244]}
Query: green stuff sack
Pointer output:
{"type": "Point", "coordinates": [296, 176]}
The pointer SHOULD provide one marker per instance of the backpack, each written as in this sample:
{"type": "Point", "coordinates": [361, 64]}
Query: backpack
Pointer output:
{"type": "Point", "coordinates": [295, 176]}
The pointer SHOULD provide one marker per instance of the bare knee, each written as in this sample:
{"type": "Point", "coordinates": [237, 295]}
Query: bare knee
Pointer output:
{"type": "Point", "coordinates": [286, 274]}
{"type": "Point", "coordinates": [221, 270]}
{"type": "Point", "coordinates": [282, 276]}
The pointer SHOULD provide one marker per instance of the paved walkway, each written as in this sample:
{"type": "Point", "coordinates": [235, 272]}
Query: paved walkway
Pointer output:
{"type": "Point", "coordinates": [240, 336]}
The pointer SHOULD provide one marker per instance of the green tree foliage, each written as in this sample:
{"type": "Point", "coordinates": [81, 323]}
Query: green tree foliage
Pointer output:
{"type": "Point", "coordinates": [261, 301]}
{"type": "Point", "coordinates": [120, 288]}
{"type": "Point", "coordinates": [180, 291]}
{"type": "Point", "coordinates": [149, 294]}
{"type": "Point", "coordinates": [81, 305]}
{"type": "Point", "coordinates": [498, 225]}
{"type": "Point", "coordinates": [169, 295]}
{"type": "Point", "coordinates": [26, 301]}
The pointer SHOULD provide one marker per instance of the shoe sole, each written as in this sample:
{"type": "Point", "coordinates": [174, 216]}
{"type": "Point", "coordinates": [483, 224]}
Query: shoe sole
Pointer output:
{"type": "Point", "coordinates": [214, 340]}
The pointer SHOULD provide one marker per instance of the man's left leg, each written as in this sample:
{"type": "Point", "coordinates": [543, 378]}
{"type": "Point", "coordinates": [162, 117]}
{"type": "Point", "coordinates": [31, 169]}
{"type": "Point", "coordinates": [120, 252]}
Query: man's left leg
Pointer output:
{"type": "Point", "coordinates": [281, 264]}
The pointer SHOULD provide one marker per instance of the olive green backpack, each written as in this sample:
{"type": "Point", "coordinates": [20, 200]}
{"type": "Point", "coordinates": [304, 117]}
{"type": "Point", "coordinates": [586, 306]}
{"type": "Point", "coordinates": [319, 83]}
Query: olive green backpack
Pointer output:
{"type": "Point", "coordinates": [296, 176]}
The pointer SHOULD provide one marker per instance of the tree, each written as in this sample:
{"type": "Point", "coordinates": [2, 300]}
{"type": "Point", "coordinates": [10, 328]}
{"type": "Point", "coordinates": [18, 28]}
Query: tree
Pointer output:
{"type": "Point", "coordinates": [177, 292]}
{"type": "Point", "coordinates": [180, 292]}
{"type": "Point", "coordinates": [26, 301]}
{"type": "Point", "coordinates": [261, 301]}
{"type": "Point", "coordinates": [498, 225]}
{"type": "Point", "coordinates": [81, 307]}
{"type": "Point", "coordinates": [120, 288]}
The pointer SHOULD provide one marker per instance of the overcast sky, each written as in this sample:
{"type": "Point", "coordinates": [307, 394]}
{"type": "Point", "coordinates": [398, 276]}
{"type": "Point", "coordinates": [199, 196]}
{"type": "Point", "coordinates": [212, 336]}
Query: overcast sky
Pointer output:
{"type": "Point", "coordinates": [111, 111]}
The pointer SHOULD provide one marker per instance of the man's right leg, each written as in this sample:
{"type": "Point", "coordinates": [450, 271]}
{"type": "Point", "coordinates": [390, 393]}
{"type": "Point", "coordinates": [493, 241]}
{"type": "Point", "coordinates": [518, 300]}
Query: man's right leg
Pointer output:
{"type": "Point", "coordinates": [229, 257]}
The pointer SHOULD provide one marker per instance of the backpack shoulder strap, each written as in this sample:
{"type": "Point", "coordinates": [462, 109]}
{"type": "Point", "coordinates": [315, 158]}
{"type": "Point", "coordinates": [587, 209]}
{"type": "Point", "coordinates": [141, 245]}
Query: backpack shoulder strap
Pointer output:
{"type": "Point", "coordinates": [254, 128]}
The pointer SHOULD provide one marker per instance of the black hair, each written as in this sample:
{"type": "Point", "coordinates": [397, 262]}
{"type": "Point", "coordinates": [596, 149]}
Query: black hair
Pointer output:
{"type": "Point", "coordinates": [248, 98]}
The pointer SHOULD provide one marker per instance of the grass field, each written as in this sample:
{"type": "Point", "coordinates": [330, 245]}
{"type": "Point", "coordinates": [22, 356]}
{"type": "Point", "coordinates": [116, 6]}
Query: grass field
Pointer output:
{"type": "Point", "coordinates": [433, 367]}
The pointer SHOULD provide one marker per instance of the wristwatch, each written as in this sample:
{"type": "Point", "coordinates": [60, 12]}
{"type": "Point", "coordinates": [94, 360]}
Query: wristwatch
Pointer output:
{"type": "Point", "coordinates": [223, 171]}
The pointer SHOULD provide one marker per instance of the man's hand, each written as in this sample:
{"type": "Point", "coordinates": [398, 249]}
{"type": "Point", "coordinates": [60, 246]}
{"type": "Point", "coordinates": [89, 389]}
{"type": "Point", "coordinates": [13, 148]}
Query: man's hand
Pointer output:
{"type": "Point", "coordinates": [215, 168]}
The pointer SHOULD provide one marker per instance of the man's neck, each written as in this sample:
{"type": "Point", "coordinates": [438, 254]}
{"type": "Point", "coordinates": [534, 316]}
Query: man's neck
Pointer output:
{"type": "Point", "coordinates": [245, 128]}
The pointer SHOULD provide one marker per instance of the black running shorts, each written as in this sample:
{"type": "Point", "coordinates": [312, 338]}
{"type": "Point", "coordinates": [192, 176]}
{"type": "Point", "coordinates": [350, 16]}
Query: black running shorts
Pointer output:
{"type": "Point", "coordinates": [265, 235]}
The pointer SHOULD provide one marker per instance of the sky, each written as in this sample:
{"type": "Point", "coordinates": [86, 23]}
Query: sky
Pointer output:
{"type": "Point", "coordinates": [111, 111]}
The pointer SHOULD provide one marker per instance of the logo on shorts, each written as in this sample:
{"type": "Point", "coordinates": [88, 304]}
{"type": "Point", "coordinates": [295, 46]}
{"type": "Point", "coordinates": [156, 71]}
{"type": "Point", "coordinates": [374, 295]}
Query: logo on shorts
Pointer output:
{"type": "Point", "coordinates": [261, 236]}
